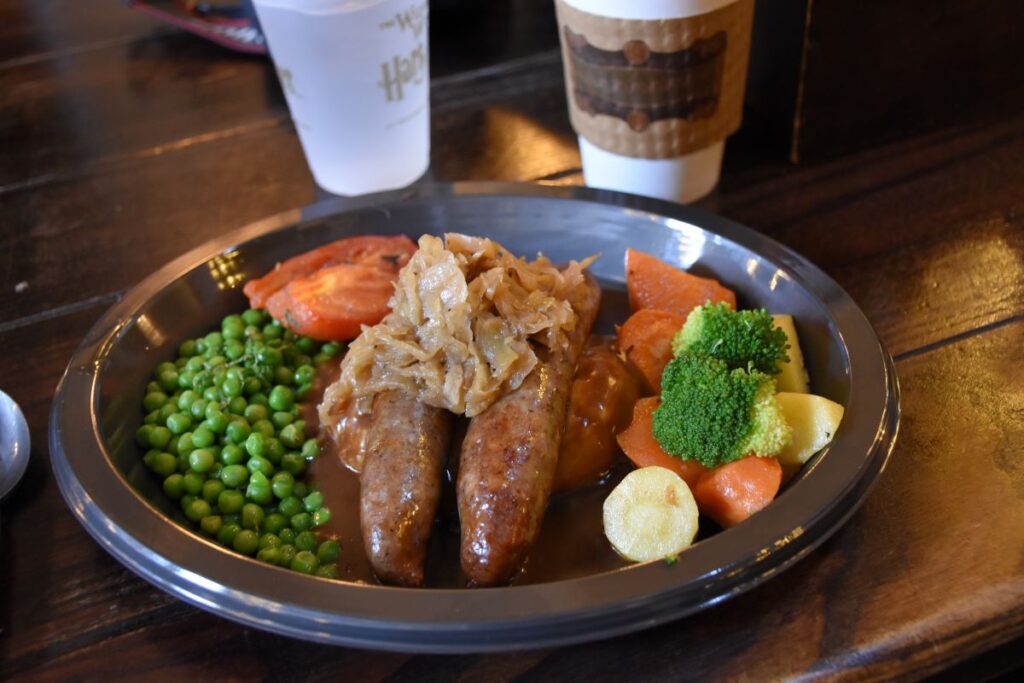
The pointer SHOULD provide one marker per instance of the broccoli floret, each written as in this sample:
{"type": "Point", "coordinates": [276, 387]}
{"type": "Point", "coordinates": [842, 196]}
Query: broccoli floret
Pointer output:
{"type": "Point", "coordinates": [715, 415]}
{"type": "Point", "coordinates": [737, 337]}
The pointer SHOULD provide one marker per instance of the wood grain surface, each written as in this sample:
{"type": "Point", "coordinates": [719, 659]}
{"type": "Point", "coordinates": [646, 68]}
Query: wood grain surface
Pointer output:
{"type": "Point", "coordinates": [124, 144]}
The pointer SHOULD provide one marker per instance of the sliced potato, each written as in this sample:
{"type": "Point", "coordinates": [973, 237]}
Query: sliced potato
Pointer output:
{"type": "Point", "coordinates": [794, 375]}
{"type": "Point", "coordinates": [650, 515]}
{"type": "Point", "coordinates": [814, 420]}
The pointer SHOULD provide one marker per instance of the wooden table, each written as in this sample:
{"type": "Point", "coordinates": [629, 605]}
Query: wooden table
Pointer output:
{"type": "Point", "coordinates": [123, 144]}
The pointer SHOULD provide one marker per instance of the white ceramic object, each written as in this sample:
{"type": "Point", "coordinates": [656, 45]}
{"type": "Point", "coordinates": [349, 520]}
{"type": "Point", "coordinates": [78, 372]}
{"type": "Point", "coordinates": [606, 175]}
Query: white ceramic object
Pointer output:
{"type": "Point", "coordinates": [14, 444]}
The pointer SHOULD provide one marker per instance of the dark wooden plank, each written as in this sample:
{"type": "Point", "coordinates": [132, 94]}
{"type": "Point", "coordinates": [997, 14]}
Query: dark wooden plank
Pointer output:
{"type": "Point", "coordinates": [33, 31]}
{"type": "Point", "coordinates": [65, 112]}
{"type": "Point", "coordinates": [925, 575]}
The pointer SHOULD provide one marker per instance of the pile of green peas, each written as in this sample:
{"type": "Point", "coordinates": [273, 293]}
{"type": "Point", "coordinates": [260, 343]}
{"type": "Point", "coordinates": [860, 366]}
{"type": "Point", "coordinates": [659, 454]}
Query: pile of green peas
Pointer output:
{"type": "Point", "coordinates": [223, 431]}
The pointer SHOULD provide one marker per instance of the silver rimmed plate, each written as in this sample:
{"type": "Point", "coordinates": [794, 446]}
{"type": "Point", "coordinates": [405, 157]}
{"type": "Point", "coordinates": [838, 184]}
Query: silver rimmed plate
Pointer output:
{"type": "Point", "coordinates": [96, 411]}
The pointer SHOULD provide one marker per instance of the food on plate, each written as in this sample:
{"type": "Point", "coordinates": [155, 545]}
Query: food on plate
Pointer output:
{"type": "Point", "coordinates": [406, 449]}
{"type": "Point", "coordinates": [646, 339]}
{"type": "Point", "coordinates": [650, 515]}
{"type": "Point", "coordinates": [814, 420]}
{"type": "Point", "coordinates": [740, 339]}
{"type": "Point", "coordinates": [470, 392]}
{"type": "Point", "coordinates": [793, 375]}
{"type": "Point", "coordinates": [715, 415]}
{"type": "Point", "coordinates": [224, 433]}
{"type": "Point", "coordinates": [467, 322]}
{"type": "Point", "coordinates": [604, 390]}
{"type": "Point", "coordinates": [638, 443]}
{"type": "Point", "coordinates": [330, 292]}
{"type": "Point", "coordinates": [652, 283]}
{"type": "Point", "coordinates": [732, 492]}
{"type": "Point", "coordinates": [510, 452]}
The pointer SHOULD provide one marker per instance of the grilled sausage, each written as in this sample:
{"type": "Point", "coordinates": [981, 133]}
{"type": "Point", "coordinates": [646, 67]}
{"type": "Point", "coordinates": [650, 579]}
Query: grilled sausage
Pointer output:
{"type": "Point", "coordinates": [406, 449]}
{"type": "Point", "coordinates": [509, 456]}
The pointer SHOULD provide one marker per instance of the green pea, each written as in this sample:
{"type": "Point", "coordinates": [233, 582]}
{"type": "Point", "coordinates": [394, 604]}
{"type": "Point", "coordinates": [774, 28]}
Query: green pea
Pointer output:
{"type": "Point", "coordinates": [269, 540]}
{"type": "Point", "coordinates": [212, 488]}
{"type": "Point", "coordinates": [252, 388]}
{"type": "Point", "coordinates": [291, 436]}
{"type": "Point", "coordinates": [169, 379]}
{"type": "Point", "coordinates": [212, 395]}
{"type": "Point", "coordinates": [259, 492]}
{"type": "Point", "coordinates": [202, 437]}
{"type": "Point", "coordinates": [272, 331]}
{"type": "Point", "coordinates": [238, 430]}
{"type": "Point", "coordinates": [211, 524]}
{"type": "Point", "coordinates": [310, 449]}
{"type": "Point", "coordinates": [154, 400]}
{"type": "Point", "coordinates": [303, 359]}
{"type": "Point", "coordinates": [252, 516]}
{"type": "Point", "coordinates": [304, 374]}
{"type": "Point", "coordinates": [253, 316]}
{"type": "Point", "coordinates": [232, 454]}
{"type": "Point", "coordinates": [151, 419]}
{"type": "Point", "coordinates": [264, 427]}
{"type": "Point", "coordinates": [275, 522]}
{"type": "Point", "coordinates": [302, 522]}
{"type": "Point", "coordinates": [307, 345]}
{"type": "Point", "coordinates": [257, 398]}
{"type": "Point", "coordinates": [293, 463]}
{"type": "Point", "coordinates": [270, 555]}
{"type": "Point", "coordinates": [214, 340]}
{"type": "Point", "coordinates": [185, 378]}
{"type": "Point", "coordinates": [157, 437]}
{"type": "Point", "coordinates": [320, 358]}
{"type": "Point", "coordinates": [306, 540]}
{"type": "Point", "coordinates": [300, 490]}
{"type": "Point", "coordinates": [256, 444]}
{"type": "Point", "coordinates": [174, 486]}
{"type": "Point", "coordinates": [229, 501]}
{"type": "Point", "coordinates": [281, 419]}
{"type": "Point", "coordinates": [198, 408]}
{"type": "Point", "coordinates": [331, 349]}
{"type": "Point", "coordinates": [164, 464]}
{"type": "Point", "coordinates": [185, 444]}
{"type": "Point", "coordinates": [275, 451]}
{"type": "Point", "coordinates": [234, 476]}
{"type": "Point", "coordinates": [302, 391]}
{"type": "Point", "coordinates": [201, 380]}
{"type": "Point", "coordinates": [255, 412]}
{"type": "Point", "coordinates": [217, 423]}
{"type": "Point", "coordinates": [328, 551]}
{"type": "Point", "coordinates": [179, 423]}
{"type": "Point", "coordinates": [313, 502]}
{"type": "Point", "coordinates": [195, 364]}
{"type": "Point", "coordinates": [327, 571]}
{"type": "Point", "coordinates": [282, 484]}
{"type": "Point", "coordinates": [321, 517]}
{"type": "Point", "coordinates": [193, 483]}
{"type": "Point", "coordinates": [234, 349]}
{"type": "Point", "coordinates": [290, 506]}
{"type": "Point", "coordinates": [286, 553]}
{"type": "Point", "coordinates": [237, 405]}
{"type": "Point", "coordinates": [216, 363]}
{"type": "Point", "coordinates": [228, 532]}
{"type": "Point", "coordinates": [197, 509]}
{"type": "Point", "coordinates": [281, 398]}
{"type": "Point", "coordinates": [283, 375]}
{"type": "Point", "coordinates": [231, 388]}
{"type": "Point", "coordinates": [246, 542]}
{"type": "Point", "coordinates": [305, 562]}
{"type": "Point", "coordinates": [232, 327]}
{"type": "Point", "coordinates": [187, 500]}
{"type": "Point", "coordinates": [200, 460]}
{"type": "Point", "coordinates": [187, 348]}
{"type": "Point", "coordinates": [167, 409]}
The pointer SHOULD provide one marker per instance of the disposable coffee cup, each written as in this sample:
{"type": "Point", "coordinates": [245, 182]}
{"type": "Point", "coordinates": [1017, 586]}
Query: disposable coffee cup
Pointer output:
{"type": "Point", "coordinates": [356, 77]}
{"type": "Point", "coordinates": [654, 89]}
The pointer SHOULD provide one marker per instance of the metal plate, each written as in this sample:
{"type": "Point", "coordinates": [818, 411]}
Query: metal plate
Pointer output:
{"type": "Point", "coordinates": [96, 411]}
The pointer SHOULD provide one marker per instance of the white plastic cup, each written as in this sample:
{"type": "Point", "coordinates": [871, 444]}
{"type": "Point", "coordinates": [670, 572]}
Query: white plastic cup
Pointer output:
{"type": "Point", "coordinates": [681, 179]}
{"type": "Point", "coordinates": [357, 80]}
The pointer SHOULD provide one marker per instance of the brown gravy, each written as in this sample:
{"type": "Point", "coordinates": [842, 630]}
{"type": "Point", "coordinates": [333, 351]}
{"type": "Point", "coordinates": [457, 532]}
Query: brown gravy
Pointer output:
{"type": "Point", "coordinates": [571, 541]}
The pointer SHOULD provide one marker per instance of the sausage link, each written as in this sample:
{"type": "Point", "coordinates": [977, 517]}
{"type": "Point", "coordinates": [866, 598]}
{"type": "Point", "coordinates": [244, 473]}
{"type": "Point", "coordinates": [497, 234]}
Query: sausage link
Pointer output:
{"type": "Point", "coordinates": [406, 449]}
{"type": "Point", "coordinates": [509, 457]}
